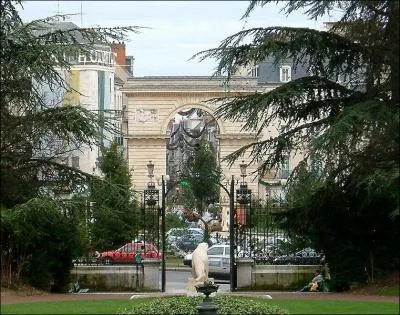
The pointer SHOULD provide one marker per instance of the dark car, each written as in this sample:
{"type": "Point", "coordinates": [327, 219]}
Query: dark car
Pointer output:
{"type": "Point", "coordinates": [189, 242]}
{"type": "Point", "coordinates": [127, 253]}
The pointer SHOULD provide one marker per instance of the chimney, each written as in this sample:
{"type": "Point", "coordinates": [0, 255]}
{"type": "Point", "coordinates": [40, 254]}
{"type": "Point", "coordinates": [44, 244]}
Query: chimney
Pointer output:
{"type": "Point", "coordinates": [119, 50]}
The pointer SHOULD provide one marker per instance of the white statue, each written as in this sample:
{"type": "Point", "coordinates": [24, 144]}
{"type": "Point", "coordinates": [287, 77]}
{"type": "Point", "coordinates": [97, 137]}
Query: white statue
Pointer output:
{"type": "Point", "coordinates": [200, 263]}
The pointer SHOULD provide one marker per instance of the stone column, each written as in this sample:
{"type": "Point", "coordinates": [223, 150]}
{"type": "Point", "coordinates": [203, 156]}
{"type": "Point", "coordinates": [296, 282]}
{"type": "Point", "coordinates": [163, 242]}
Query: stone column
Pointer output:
{"type": "Point", "coordinates": [244, 271]}
{"type": "Point", "coordinates": [151, 277]}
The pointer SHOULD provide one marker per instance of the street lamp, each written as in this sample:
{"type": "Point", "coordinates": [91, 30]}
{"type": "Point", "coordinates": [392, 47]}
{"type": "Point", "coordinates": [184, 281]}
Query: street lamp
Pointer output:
{"type": "Point", "coordinates": [163, 196]}
{"type": "Point", "coordinates": [151, 193]}
{"type": "Point", "coordinates": [243, 169]}
{"type": "Point", "coordinates": [151, 198]}
{"type": "Point", "coordinates": [233, 220]}
{"type": "Point", "coordinates": [231, 193]}
{"type": "Point", "coordinates": [150, 170]}
{"type": "Point", "coordinates": [243, 194]}
{"type": "Point", "coordinates": [243, 197]}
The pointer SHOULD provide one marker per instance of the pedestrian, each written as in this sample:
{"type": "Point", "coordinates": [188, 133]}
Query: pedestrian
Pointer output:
{"type": "Point", "coordinates": [316, 283]}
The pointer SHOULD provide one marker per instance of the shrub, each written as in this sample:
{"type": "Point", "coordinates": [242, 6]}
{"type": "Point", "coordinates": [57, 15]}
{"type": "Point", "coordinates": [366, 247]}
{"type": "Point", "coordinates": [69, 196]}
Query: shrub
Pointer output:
{"type": "Point", "coordinates": [43, 240]}
{"type": "Point", "coordinates": [187, 305]}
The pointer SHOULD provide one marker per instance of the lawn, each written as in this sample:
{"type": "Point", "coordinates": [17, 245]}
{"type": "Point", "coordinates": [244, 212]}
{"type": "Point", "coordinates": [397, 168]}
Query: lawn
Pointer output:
{"type": "Point", "coordinates": [173, 261]}
{"type": "Point", "coordinates": [113, 306]}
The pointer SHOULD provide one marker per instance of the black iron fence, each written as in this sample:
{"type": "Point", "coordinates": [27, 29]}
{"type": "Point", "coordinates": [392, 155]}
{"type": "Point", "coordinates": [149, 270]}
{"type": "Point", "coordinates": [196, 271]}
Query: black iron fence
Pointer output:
{"type": "Point", "coordinates": [258, 236]}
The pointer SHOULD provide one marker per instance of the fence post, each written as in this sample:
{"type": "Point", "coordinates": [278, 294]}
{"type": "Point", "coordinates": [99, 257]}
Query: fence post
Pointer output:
{"type": "Point", "coordinates": [151, 269]}
{"type": "Point", "coordinates": [244, 272]}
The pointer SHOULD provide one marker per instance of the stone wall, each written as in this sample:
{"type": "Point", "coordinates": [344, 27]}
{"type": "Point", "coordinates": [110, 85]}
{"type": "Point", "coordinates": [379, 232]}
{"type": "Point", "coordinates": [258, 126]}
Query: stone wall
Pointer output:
{"type": "Point", "coordinates": [107, 278]}
{"type": "Point", "coordinates": [142, 277]}
{"type": "Point", "coordinates": [273, 277]}
{"type": "Point", "coordinates": [146, 278]}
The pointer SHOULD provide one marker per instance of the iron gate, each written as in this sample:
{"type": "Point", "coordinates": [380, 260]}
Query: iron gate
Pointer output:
{"type": "Point", "coordinates": [257, 235]}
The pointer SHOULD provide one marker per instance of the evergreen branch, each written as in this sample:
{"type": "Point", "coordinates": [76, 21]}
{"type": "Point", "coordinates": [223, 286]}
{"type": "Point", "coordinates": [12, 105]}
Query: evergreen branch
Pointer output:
{"type": "Point", "coordinates": [268, 153]}
{"type": "Point", "coordinates": [304, 45]}
{"type": "Point", "coordinates": [306, 98]}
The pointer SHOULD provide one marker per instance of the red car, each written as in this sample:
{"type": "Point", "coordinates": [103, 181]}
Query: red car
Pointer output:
{"type": "Point", "coordinates": [127, 253]}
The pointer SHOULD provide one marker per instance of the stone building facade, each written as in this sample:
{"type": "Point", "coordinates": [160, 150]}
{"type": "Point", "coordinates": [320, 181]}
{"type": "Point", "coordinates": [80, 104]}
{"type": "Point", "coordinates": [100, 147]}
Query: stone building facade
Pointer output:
{"type": "Point", "coordinates": [152, 102]}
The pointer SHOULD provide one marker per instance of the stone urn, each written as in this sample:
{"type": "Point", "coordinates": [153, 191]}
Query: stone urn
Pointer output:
{"type": "Point", "coordinates": [207, 307]}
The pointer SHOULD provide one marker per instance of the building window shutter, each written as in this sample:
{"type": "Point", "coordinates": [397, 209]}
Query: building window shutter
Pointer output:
{"type": "Point", "coordinates": [285, 73]}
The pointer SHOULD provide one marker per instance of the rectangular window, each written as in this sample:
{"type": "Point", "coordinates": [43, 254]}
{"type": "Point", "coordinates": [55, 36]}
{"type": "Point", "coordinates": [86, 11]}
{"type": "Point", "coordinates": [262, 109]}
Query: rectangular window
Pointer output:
{"type": "Point", "coordinates": [216, 251]}
{"type": "Point", "coordinates": [119, 140]}
{"type": "Point", "coordinates": [285, 73]}
{"type": "Point", "coordinates": [255, 72]}
{"type": "Point", "coordinates": [284, 169]}
{"type": "Point", "coordinates": [75, 161]}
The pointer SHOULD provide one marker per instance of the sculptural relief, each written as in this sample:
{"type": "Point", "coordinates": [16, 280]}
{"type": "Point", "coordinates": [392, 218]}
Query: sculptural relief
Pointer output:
{"type": "Point", "coordinates": [145, 115]}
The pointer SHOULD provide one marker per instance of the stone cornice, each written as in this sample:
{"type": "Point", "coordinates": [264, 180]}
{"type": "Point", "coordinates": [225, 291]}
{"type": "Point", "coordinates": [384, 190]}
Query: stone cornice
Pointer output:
{"type": "Point", "coordinates": [181, 93]}
{"type": "Point", "coordinates": [236, 136]}
{"type": "Point", "coordinates": [194, 86]}
{"type": "Point", "coordinates": [143, 137]}
{"type": "Point", "coordinates": [190, 83]}
{"type": "Point", "coordinates": [233, 136]}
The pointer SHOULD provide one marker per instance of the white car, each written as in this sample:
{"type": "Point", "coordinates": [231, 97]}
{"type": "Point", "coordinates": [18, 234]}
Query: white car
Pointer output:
{"type": "Point", "coordinates": [218, 260]}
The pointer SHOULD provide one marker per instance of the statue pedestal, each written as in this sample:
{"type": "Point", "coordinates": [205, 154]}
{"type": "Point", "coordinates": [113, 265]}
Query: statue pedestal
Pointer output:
{"type": "Point", "coordinates": [191, 290]}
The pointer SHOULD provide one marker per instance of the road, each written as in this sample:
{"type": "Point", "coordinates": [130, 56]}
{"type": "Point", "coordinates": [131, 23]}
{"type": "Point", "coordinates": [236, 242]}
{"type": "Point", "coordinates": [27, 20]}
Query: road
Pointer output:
{"type": "Point", "coordinates": [176, 281]}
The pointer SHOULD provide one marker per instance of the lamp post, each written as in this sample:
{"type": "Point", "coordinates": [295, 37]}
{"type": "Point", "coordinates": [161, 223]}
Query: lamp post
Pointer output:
{"type": "Point", "coordinates": [232, 235]}
{"type": "Point", "coordinates": [151, 199]}
{"type": "Point", "coordinates": [163, 196]}
{"type": "Point", "coordinates": [151, 193]}
{"type": "Point", "coordinates": [242, 194]}
{"type": "Point", "coordinates": [243, 197]}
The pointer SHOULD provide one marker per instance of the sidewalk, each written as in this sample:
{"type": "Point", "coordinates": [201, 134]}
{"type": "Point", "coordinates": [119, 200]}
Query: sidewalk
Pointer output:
{"type": "Point", "coordinates": [11, 297]}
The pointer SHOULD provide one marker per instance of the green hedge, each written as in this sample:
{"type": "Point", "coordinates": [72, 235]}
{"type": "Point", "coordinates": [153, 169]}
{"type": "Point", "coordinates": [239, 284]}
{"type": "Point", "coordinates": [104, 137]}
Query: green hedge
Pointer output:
{"type": "Point", "coordinates": [187, 305]}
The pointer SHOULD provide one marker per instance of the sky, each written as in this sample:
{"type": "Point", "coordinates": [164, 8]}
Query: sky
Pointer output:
{"type": "Point", "coordinates": [178, 29]}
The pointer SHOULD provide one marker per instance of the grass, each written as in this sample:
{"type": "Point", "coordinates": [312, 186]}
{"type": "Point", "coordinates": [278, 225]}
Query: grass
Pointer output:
{"type": "Point", "coordinates": [113, 306]}
{"type": "Point", "coordinates": [386, 291]}
{"type": "Point", "coordinates": [173, 261]}
{"type": "Point", "coordinates": [68, 307]}
{"type": "Point", "coordinates": [337, 307]}
{"type": "Point", "coordinates": [379, 289]}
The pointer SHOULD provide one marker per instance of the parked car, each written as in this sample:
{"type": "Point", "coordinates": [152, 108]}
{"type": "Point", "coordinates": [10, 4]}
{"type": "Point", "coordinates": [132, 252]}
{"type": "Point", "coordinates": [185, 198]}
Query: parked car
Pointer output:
{"type": "Point", "coordinates": [175, 234]}
{"type": "Point", "coordinates": [189, 242]}
{"type": "Point", "coordinates": [306, 256]}
{"type": "Point", "coordinates": [218, 261]}
{"type": "Point", "coordinates": [187, 239]}
{"type": "Point", "coordinates": [92, 258]}
{"type": "Point", "coordinates": [127, 253]}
